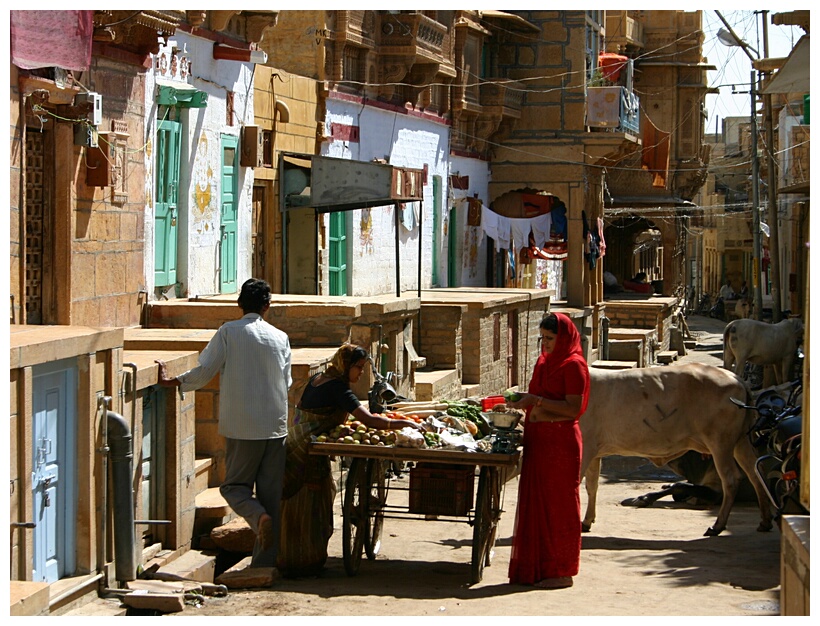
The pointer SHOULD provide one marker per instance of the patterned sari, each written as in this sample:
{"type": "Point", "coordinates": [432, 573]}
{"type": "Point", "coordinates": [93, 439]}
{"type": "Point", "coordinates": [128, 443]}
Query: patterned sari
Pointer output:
{"type": "Point", "coordinates": [307, 496]}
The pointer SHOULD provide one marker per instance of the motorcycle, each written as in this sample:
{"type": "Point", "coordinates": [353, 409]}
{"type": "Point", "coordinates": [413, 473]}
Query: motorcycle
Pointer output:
{"type": "Point", "coordinates": [718, 311]}
{"type": "Point", "coordinates": [777, 436]}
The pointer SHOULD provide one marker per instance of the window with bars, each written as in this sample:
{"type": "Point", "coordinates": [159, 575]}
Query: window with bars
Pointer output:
{"type": "Point", "coordinates": [352, 67]}
{"type": "Point", "coordinates": [594, 24]}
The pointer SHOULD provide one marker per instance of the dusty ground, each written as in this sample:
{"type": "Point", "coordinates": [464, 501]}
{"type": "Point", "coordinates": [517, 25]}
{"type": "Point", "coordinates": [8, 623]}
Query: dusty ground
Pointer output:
{"type": "Point", "coordinates": [652, 561]}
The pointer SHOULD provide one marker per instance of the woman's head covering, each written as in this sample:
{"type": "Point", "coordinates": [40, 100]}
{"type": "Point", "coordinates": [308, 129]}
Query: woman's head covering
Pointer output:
{"type": "Point", "coordinates": [567, 348]}
{"type": "Point", "coordinates": [346, 356]}
{"type": "Point", "coordinates": [567, 343]}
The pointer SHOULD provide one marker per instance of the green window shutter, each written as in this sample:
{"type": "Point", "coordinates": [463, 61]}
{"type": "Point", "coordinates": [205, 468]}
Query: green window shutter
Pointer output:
{"type": "Point", "coordinates": [229, 203]}
{"type": "Point", "coordinates": [436, 228]}
{"type": "Point", "coordinates": [337, 269]}
{"type": "Point", "coordinates": [169, 143]}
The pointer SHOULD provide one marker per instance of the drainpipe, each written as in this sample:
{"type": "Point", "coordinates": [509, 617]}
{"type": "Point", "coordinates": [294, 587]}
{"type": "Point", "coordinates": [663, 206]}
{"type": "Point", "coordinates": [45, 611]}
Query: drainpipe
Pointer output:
{"type": "Point", "coordinates": [121, 475]}
{"type": "Point", "coordinates": [103, 403]}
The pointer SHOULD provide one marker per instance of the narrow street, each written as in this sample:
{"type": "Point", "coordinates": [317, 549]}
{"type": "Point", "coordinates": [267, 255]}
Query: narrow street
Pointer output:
{"type": "Point", "coordinates": [652, 561]}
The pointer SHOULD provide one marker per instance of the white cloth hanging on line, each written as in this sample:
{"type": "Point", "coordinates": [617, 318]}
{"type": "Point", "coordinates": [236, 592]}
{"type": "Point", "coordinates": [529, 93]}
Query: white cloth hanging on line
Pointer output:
{"type": "Point", "coordinates": [506, 231]}
{"type": "Point", "coordinates": [497, 227]}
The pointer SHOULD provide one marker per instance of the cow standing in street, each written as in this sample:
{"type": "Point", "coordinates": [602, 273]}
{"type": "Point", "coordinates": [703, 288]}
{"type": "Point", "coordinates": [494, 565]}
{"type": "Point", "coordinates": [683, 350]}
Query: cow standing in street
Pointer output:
{"type": "Point", "coordinates": [759, 343]}
{"type": "Point", "coordinates": [660, 413]}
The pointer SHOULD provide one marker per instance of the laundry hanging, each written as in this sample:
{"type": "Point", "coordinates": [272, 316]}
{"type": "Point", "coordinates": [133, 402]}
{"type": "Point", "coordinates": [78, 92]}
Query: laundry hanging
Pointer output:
{"type": "Point", "coordinates": [497, 227]}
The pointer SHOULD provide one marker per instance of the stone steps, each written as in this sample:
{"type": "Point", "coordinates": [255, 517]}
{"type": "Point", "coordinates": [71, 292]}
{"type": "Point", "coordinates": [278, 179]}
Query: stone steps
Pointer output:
{"type": "Point", "coordinates": [211, 511]}
{"type": "Point", "coordinates": [614, 365]}
{"type": "Point", "coordinates": [437, 385]}
{"type": "Point", "coordinates": [28, 598]}
{"type": "Point", "coordinates": [192, 565]}
{"type": "Point", "coordinates": [202, 472]}
{"type": "Point", "coordinates": [667, 356]}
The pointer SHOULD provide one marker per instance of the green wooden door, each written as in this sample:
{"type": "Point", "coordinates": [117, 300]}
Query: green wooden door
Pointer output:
{"type": "Point", "coordinates": [165, 207]}
{"type": "Point", "coordinates": [229, 202]}
{"type": "Point", "coordinates": [436, 228]}
{"type": "Point", "coordinates": [337, 270]}
{"type": "Point", "coordinates": [453, 258]}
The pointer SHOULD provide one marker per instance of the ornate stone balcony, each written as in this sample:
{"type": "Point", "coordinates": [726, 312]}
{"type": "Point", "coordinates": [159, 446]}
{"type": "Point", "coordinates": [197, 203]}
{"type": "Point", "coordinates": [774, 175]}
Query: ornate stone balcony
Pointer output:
{"type": "Point", "coordinates": [416, 35]}
{"type": "Point", "coordinates": [413, 49]}
{"type": "Point", "coordinates": [502, 96]}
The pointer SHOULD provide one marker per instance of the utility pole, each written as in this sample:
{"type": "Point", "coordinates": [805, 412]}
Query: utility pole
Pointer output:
{"type": "Point", "coordinates": [774, 231]}
{"type": "Point", "coordinates": [733, 40]}
{"type": "Point", "coordinates": [755, 204]}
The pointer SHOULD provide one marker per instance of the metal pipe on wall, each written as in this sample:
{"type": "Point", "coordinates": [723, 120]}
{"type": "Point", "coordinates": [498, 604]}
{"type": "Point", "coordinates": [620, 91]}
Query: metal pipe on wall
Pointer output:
{"type": "Point", "coordinates": [102, 541]}
{"type": "Point", "coordinates": [121, 476]}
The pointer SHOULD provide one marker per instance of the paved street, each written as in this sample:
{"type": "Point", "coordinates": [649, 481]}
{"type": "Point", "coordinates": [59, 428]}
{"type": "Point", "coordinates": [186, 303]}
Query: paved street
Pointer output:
{"type": "Point", "coordinates": [709, 335]}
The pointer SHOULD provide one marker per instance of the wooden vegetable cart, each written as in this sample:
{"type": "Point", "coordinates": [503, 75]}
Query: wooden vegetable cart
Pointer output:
{"type": "Point", "coordinates": [365, 496]}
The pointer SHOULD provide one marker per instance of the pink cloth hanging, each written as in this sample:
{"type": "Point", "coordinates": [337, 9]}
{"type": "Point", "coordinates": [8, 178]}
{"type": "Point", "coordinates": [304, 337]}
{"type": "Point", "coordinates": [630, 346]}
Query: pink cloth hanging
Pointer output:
{"type": "Point", "coordinates": [52, 39]}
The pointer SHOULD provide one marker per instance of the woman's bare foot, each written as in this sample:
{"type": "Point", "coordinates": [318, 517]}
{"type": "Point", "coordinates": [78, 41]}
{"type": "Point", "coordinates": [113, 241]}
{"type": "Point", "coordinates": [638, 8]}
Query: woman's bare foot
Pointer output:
{"type": "Point", "coordinates": [554, 583]}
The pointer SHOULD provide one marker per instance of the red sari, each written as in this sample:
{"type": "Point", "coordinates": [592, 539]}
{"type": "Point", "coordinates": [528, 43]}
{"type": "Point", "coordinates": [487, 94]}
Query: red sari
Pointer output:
{"type": "Point", "coordinates": [547, 536]}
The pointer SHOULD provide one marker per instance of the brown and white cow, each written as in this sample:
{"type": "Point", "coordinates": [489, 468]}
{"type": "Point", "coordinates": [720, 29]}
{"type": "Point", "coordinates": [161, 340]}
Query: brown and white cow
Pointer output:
{"type": "Point", "coordinates": [760, 343]}
{"type": "Point", "coordinates": [660, 413]}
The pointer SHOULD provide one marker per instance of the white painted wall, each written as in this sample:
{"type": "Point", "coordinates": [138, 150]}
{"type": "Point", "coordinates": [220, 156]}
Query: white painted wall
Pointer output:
{"type": "Point", "coordinates": [472, 242]}
{"type": "Point", "coordinates": [405, 141]}
{"type": "Point", "coordinates": [200, 180]}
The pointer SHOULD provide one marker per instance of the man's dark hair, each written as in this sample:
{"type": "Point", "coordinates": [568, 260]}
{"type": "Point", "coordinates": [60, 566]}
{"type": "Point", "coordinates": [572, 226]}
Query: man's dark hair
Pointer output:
{"type": "Point", "coordinates": [254, 296]}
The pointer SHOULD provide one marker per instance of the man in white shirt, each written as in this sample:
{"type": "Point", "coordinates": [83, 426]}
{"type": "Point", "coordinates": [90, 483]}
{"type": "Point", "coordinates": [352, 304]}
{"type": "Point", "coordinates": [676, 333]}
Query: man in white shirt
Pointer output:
{"type": "Point", "coordinates": [726, 292]}
{"type": "Point", "coordinates": [253, 359]}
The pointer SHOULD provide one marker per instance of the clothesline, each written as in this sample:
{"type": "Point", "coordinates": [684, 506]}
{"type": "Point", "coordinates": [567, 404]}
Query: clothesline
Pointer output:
{"type": "Point", "coordinates": [514, 232]}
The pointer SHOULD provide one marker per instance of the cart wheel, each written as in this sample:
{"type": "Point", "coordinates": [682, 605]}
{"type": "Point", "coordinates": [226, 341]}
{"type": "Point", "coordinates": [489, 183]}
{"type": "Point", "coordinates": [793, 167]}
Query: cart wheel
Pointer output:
{"type": "Point", "coordinates": [487, 514]}
{"type": "Point", "coordinates": [354, 511]}
{"type": "Point", "coordinates": [377, 479]}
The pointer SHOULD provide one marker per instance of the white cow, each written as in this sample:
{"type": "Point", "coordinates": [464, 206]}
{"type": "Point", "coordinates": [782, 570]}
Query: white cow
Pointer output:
{"type": "Point", "coordinates": [660, 413]}
{"type": "Point", "coordinates": [743, 309]}
{"type": "Point", "coordinates": [760, 343]}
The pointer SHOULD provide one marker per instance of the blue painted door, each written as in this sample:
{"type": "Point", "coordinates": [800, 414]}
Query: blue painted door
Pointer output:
{"type": "Point", "coordinates": [53, 480]}
{"type": "Point", "coordinates": [153, 461]}
{"type": "Point", "coordinates": [229, 203]}
{"type": "Point", "coordinates": [166, 203]}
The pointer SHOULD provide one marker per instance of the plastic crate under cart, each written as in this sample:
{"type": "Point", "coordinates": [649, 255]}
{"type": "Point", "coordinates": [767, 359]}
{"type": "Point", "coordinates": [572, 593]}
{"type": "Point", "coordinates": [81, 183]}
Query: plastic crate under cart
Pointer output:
{"type": "Point", "coordinates": [437, 489]}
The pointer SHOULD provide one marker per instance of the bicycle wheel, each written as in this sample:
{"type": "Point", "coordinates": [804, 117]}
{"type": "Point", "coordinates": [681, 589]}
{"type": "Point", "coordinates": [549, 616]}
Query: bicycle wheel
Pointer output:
{"type": "Point", "coordinates": [487, 514]}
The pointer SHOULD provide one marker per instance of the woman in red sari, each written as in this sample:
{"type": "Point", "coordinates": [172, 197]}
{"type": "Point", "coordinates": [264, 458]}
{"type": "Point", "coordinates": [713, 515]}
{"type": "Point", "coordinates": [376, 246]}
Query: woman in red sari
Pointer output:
{"type": "Point", "coordinates": [546, 548]}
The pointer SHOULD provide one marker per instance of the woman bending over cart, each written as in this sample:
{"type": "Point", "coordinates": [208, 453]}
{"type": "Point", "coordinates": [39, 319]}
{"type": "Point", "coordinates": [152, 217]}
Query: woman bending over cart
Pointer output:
{"type": "Point", "coordinates": [309, 490]}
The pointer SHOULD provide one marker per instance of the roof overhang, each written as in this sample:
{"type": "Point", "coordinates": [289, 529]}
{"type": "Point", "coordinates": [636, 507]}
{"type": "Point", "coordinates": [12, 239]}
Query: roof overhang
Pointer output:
{"type": "Point", "coordinates": [647, 202]}
{"type": "Point", "coordinates": [794, 76]}
{"type": "Point", "coordinates": [174, 93]}
{"type": "Point", "coordinates": [508, 21]}
{"type": "Point", "coordinates": [329, 184]}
